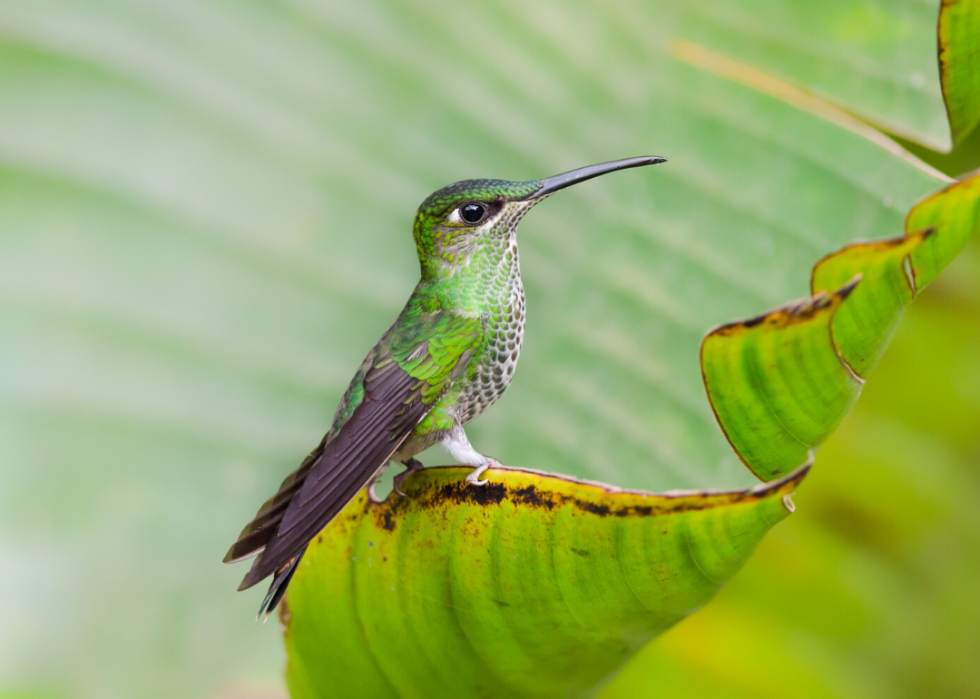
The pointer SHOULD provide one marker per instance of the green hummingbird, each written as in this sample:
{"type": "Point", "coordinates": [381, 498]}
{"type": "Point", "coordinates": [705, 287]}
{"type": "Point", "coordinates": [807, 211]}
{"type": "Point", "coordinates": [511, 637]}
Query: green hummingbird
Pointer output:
{"type": "Point", "coordinates": [449, 355]}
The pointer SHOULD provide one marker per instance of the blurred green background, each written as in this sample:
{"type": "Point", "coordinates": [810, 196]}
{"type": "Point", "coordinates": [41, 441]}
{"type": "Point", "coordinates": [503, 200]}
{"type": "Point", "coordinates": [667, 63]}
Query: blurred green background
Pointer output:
{"type": "Point", "coordinates": [204, 216]}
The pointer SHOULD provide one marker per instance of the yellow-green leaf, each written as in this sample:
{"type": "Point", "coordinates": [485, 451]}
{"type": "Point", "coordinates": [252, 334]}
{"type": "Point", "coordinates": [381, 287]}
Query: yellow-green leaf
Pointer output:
{"type": "Point", "coordinates": [531, 586]}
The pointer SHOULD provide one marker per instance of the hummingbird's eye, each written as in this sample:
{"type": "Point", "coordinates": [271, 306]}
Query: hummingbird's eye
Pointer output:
{"type": "Point", "coordinates": [472, 212]}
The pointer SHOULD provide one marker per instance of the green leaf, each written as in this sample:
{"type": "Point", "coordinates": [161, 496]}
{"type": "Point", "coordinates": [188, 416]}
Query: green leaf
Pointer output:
{"type": "Point", "coordinates": [206, 213]}
{"type": "Point", "coordinates": [779, 384]}
{"type": "Point", "coordinates": [954, 213]}
{"type": "Point", "coordinates": [895, 271]}
{"type": "Point", "coordinates": [959, 64]}
{"type": "Point", "coordinates": [776, 383]}
{"type": "Point", "coordinates": [862, 328]}
{"type": "Point", "coordinates": [534, 585]}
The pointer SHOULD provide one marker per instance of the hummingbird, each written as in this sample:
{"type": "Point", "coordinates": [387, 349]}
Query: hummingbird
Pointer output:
{"type": "Point", "coordinates": [449, 355]}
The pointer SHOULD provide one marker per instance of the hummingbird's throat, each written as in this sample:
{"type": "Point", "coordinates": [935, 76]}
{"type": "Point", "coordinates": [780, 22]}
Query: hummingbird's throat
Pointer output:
{"type": "Point", "coordinates": [484, 254]}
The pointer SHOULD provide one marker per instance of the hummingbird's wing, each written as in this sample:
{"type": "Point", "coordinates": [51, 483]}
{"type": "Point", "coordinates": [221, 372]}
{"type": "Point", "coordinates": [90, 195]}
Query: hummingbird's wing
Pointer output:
{"type": "Point", "coordinates": [409, 371]}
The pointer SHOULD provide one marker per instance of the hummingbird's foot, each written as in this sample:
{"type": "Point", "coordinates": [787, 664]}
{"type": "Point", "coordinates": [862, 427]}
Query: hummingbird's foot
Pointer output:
{"type": "Point", "coordinates": [372, 495]}
{"type": "Point", "coordinates": [459, 446]}
{"type": "Point", "coordinates": [412, 466]}
{"type": "Point", "coordinates": [473, 477]}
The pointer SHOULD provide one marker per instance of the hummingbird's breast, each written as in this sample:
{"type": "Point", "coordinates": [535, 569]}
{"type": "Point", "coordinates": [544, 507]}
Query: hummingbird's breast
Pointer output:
{"type": "Point", "coordinates": [492, 369]}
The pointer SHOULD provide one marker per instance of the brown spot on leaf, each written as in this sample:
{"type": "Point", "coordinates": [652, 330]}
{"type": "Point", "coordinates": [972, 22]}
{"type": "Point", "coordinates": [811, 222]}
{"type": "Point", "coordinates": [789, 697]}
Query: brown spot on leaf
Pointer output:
{"type": "Point", "coordinates": [530, 495]}
{"type": "Point", "coordinates": [593, 507]}
{"type": "Point", "coordinates": [596, 500]}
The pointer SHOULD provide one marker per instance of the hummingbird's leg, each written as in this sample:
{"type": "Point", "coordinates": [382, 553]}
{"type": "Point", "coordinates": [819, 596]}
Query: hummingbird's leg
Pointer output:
{"type": "Point", "coordinates": [459, 446]}
{"type": "Point", "coordinates": [411, 466]}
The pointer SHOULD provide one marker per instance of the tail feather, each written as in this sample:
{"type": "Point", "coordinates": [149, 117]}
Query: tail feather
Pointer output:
{"type": "Point", "coordinates": [278, 587]}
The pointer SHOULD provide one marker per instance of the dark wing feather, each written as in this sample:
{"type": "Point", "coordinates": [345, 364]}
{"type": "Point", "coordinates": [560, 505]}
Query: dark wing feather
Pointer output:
{"type": "Point", "coordinates": [391, 407]}
{"type": "Point", "coordinates": [257, 533]}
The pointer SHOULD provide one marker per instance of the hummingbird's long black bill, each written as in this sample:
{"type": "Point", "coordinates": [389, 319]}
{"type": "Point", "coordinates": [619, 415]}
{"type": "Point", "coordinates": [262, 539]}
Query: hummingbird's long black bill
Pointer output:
{"type": "Point", "coordinates": [566, 179]}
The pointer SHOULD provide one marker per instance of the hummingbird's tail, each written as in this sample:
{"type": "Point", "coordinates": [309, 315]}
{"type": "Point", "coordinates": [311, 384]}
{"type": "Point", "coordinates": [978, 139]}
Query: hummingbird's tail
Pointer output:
{"type": "Point", "coordinates": [278, 587]}
{"type": "Point", "coordinates": [260, 530]}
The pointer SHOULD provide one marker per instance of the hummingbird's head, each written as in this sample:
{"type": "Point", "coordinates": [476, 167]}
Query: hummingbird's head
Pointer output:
{"type": "Point", "coordinates": [457, 221]}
